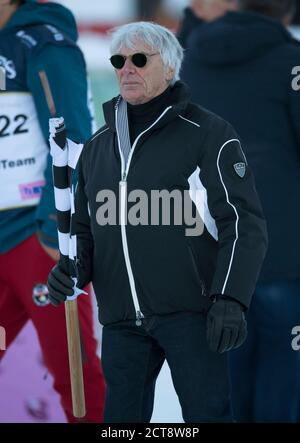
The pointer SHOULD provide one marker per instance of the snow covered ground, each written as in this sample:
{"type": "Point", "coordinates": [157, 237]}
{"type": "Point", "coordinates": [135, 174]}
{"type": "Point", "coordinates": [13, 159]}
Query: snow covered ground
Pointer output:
{"type": "Point", "coordinates": [26, 389]}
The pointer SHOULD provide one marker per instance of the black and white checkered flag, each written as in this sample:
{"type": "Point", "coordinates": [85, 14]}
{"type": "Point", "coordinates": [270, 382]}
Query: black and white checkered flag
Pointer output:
{"type": "Point", "coordinates": [65, 154]}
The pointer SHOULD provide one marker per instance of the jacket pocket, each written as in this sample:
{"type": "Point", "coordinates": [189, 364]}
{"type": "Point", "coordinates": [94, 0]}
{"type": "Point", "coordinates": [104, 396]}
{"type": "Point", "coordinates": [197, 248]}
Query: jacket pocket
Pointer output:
{"type": "Point", "coordinates": [196, 270]}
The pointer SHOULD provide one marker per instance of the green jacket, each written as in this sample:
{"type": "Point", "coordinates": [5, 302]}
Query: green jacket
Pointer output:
{"type": "Point", "coordinates": [49, 44]}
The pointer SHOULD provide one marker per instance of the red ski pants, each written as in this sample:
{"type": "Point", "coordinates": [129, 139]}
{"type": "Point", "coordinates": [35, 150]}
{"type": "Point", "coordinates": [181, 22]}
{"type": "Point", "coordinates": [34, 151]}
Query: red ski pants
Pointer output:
{"type": "Point", "coordinates": [20, 270]}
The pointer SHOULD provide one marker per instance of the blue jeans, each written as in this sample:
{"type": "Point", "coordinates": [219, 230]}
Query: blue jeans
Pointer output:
{"type": "Point", "coordinates": [265, 371]}
{"type": "Point", "coordinates": [132, 357]}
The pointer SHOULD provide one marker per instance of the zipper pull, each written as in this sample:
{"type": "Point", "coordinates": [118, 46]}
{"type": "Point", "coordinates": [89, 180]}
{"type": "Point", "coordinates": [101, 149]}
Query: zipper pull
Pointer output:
{"type": "Point", "coordinates": [139, 318]}
{"type": "Point", "coordinates": [124, 176]}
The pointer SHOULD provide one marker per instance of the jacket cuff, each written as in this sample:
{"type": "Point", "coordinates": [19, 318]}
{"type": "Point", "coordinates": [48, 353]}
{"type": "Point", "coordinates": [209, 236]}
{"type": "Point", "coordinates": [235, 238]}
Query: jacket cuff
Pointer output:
{"type": "Point", "coordinates": [216, 297]}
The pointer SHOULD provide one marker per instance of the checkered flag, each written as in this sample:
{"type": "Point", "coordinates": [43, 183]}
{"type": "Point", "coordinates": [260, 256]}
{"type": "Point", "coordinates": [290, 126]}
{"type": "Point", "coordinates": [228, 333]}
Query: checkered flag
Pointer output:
{"type": "Point", "coordinates": [65, 154]}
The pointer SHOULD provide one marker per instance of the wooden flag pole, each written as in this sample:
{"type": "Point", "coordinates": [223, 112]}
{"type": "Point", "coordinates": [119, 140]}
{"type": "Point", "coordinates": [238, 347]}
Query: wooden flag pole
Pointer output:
{"type": "Point", "coordinates": [71, 310]}
{"type": "Point", "coordinates": [75, 359]}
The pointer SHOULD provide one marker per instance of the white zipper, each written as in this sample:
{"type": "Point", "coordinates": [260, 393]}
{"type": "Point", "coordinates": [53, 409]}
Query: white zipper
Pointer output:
{"type": "Point", "coordinates": [123, 195]}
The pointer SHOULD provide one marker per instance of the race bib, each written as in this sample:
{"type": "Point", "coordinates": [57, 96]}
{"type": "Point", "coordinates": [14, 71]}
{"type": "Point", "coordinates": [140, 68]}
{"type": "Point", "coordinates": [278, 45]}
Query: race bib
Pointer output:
{"type": "Point", "coordinates": [23, 151]}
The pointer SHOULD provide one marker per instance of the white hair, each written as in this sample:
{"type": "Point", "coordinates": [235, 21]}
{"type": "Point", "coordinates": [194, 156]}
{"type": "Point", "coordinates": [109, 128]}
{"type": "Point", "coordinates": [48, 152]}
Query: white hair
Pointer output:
{"type": "Point", "coordinates": [156, 37]}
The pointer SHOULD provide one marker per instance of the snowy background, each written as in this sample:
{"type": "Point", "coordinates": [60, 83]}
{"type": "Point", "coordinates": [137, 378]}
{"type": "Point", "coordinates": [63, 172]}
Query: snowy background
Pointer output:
{"type": "Point", "coordinates": [25, 386]}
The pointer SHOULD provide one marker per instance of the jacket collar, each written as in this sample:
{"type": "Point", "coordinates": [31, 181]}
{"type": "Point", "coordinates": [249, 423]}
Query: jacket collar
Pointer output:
{"type": "Point", "coordinates": [178, 100]}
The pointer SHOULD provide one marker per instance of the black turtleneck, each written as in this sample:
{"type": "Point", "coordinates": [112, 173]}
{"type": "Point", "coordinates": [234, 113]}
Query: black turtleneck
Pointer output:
{"type": "Point", "coordinates": [140, 117]}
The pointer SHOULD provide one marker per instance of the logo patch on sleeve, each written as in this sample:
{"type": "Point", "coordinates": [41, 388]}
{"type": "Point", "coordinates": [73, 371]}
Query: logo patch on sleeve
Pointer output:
{"type": "Point", "coordinates": [240, 169]}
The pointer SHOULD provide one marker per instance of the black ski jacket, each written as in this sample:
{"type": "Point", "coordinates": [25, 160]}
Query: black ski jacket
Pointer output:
{"type": "Point", "coordinates": [139, 270]}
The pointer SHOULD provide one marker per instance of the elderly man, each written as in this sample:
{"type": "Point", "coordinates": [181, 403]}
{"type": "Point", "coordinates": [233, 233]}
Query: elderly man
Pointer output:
{"type": "Point", "coordinates": [163, 294]}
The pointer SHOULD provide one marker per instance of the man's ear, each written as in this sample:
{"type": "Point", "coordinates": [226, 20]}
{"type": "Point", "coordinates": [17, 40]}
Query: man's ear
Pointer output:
{"type": "Point", "coordinates": [169, 74]}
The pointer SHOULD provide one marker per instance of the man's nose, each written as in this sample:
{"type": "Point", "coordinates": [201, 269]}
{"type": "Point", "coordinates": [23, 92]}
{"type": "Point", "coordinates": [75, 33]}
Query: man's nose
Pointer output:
{"type": "Point", "coordinates": [128, 66]}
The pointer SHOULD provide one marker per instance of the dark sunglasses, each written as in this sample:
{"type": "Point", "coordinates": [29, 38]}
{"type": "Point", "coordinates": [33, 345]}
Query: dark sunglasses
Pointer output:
{"type": "Point", "coordinates": [139, 60]}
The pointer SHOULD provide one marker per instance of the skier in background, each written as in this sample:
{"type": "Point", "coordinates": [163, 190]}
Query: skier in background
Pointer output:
{"type": "Point", "coordinates": [38, 39]}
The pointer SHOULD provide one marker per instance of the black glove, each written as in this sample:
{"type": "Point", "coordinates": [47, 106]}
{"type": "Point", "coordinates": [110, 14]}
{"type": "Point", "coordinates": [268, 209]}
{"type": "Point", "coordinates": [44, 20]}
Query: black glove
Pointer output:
{"type": "Point", "coordinates": [226, 325]}
{"type": "Point", "coordinates": [60, 285]}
